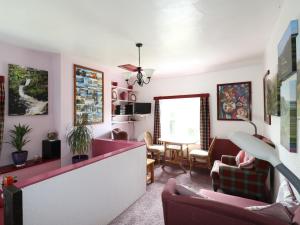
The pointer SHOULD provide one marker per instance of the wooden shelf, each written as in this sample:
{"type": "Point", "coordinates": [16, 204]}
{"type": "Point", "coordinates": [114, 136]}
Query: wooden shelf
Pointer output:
{"type": "Point", "coordinates": [122, 122]}
{"type": "Point", "coordinates": [115, 115]}
{"type": "Point", "coordinates": [122, 88]}
{"type": "Point", "coordinates": [122, 101]}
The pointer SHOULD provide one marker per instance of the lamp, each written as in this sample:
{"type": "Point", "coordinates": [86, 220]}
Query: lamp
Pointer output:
{"type": "Point", "coordinates": [141, 73]}
{"type": "Point", "coordinates": [249, 121]}
{"type": "Point", "coordinates": [263, 151]}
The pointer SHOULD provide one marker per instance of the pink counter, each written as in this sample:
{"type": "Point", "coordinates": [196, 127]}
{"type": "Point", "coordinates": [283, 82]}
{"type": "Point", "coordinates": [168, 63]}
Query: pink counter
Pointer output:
{"type": "Point", "coordinates": [101, 149]}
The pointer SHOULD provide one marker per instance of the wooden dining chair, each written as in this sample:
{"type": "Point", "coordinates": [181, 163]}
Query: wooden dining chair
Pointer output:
{"type": "Point", "coordinates": [154, 150]}
{"type": "Point", "coordinates": [202, 157]}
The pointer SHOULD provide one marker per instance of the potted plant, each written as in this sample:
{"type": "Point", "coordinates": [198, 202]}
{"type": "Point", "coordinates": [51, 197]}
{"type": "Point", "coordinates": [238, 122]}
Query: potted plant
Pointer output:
{"type": "Point", "coordinates": [18, 141]}
{"type": "Point", "coordinates": [79, 139]}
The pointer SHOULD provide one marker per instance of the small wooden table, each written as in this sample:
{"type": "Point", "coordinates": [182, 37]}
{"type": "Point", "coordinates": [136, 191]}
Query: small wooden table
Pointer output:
{"type": "Point", "coordinates": [176, 154]}
{"type": "Point", "coordinates": [150, 171]}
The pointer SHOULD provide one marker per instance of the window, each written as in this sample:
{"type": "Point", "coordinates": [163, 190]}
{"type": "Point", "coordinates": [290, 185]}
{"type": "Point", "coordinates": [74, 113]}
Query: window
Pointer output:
{"type": "Point", "coordinates": [180, 118]}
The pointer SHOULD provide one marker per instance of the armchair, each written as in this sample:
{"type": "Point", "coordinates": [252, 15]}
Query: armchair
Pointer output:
{"type": "Point", "coordinates": [118, 134]}
{"type": "Point", "coordinates": [251, 183]}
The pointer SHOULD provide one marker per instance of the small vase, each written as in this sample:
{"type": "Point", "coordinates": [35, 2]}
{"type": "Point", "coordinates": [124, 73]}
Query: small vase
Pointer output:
{"type": "Point", "coordinates": [123, 95]}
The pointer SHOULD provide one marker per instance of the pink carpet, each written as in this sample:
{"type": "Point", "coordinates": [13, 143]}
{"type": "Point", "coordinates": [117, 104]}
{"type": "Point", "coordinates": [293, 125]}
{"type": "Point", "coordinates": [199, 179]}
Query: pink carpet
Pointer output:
{"type": "Point", "coordinates": [148, 209]}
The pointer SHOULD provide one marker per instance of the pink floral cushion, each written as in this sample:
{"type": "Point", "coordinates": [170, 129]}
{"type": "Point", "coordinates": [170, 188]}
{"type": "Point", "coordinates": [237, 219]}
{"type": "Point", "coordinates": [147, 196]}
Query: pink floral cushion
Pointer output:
{"type": "Point", "coordinates": [244, 160]}
{"type": "Point", "coordinates": [240, 157]}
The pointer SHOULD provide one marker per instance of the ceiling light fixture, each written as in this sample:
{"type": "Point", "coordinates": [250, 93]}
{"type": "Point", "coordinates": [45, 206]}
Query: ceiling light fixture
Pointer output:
{"type": "Point", "coordinates": [143, 76]}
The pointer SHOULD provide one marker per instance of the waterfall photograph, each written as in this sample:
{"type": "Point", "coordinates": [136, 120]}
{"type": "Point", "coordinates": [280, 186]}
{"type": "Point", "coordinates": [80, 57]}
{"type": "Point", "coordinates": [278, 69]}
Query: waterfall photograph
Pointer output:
{"type": "Point", "coordinates": [28, 91]}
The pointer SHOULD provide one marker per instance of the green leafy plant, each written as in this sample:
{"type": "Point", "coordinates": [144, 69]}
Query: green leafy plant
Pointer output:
{"type": "Point", "coordinates": [18, 136]}
{"type": "Point", "coordinates": [79, 137]}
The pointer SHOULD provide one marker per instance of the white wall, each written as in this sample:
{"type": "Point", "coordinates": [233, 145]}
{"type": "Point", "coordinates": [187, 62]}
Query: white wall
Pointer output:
{"type": "Point", "coordinates": [290, 10]}
{"type": "Point", "coordinates": [41, 125]}
{"type": "Point", "coordinates": [91, 195]}
{"type": "Point", "coordinates": [207, 83]}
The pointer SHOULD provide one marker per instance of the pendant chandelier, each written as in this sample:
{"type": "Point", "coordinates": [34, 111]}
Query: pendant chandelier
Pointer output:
{"type": "Point", "coordinates": [143, 76]}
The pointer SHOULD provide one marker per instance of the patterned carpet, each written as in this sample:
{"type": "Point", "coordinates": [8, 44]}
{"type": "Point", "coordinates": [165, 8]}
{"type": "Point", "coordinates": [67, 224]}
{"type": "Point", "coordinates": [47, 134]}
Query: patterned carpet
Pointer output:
{"type": "Point", "coordinates": [148, 209]}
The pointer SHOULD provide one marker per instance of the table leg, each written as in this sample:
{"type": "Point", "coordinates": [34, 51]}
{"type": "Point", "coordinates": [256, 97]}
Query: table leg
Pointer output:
{"type": "Point", "coordinates": [164, 159]}
{"type": "Point", "coordinates": [152, 172]}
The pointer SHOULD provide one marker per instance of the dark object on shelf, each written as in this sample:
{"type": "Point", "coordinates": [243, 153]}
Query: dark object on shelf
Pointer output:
{"type": "Point", "coordinates": [13, 210]}
{"type": "Point", "coordinates": [142, 108]}
{"type": "Point", "coordinates": [19, 158]}
{"type": "Point", "coordinates": [128, 109]}
{"type": "Point", "coordinates": [118, 110]}
{"type": "Point", "coordinates": [51, 149]}
{"type": "Point", "coordinates": [79, 158]}
{"type": "Point", "coordinates": [119, 134]}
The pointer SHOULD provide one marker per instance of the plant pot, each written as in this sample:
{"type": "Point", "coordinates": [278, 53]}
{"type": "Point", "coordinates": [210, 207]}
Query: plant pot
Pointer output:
{"type": "Point", "coordinates": [79, 158]}
{"type": "Point", "coordinates": [19, 158]}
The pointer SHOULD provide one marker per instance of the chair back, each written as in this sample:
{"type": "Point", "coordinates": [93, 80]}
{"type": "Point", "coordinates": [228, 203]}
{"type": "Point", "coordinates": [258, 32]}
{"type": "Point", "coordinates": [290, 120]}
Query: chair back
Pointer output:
{"type": "Point", "coordinates": [262, 166]}
{"type": "Point", "coordinates": [118, 134]}
{"type": "Point", "coordinates": [148, 139]}
{"type": "Point", "coordinates": [210, 152]}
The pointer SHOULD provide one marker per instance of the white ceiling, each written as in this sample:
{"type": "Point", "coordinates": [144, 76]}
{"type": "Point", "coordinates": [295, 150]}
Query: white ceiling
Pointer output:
{"type": "Point", "coordinates": [180, 36]}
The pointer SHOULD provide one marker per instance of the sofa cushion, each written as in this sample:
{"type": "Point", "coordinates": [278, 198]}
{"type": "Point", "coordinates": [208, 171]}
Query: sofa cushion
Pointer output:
{"type": "Point", "coordinates": [276, 210]}
{"type": "Point", "coordinates": [230, 199]}
{"type": "Point", "coordinates": [186, 191]}
{"type": "Point", "coordinates": [287, 197]}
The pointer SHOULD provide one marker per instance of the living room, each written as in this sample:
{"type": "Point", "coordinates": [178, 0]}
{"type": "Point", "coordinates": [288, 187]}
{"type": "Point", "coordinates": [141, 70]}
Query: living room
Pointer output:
{"type": "Point", "coordinates": [207, 51]}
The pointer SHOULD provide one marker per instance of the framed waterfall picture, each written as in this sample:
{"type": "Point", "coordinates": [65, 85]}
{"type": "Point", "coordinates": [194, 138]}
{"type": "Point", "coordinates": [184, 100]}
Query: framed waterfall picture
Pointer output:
{"type": "Point", "coordinates": [27, 91]}
{"type": "Point", "coordinates": [234, 99]}
{"type": "Point", "coordinates": [88, 94]}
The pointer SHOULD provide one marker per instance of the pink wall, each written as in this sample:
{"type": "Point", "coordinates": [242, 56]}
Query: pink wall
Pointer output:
{"type": "Point", "coordinates": [65, 104]}
{"type": "Point", "coordinates": [60, 117]}
{"type": "Point", "coordinates": [41, 124]}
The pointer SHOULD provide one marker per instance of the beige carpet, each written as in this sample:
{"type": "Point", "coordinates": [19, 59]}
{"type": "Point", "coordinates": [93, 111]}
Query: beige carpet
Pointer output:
{"type": "Point", "coordinates": [148, 209]}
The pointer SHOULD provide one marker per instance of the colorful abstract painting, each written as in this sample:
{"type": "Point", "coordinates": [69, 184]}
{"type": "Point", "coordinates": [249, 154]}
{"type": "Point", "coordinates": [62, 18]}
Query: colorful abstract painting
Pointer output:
{"type": "Point", "coordinates": [234, 99]}
{"type": "Point", "coordinates": [288, 108]}
{"type": "Point", "coordinates": [28, 91]}
{"type": "Point", "coordinates": [88, 92]}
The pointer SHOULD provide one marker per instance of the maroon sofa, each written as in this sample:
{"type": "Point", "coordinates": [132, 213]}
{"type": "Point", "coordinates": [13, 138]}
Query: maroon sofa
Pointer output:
{"type": "Point", "coordinates": [216, 209]}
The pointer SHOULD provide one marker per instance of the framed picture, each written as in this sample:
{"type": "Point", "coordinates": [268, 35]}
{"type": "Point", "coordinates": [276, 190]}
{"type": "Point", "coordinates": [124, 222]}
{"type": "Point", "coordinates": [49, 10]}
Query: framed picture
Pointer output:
{"type": "Point", "coordinates": [27, 91]}
{"type": "Point", "coordinates": [287, 56]}
{"type": "Point", "coordinates": [272, 85]}
{"type": "Point", "coordinates": [287, 76]}
{"type": "Point", "coordinates": [88, 94]}
{"type": "Point", "coordinates": [288, 118]}
{"type": "Point", "coordinates": [234, 99]}
{"type": "Point", "coordinates": [267, 116]}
